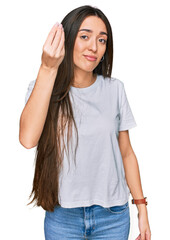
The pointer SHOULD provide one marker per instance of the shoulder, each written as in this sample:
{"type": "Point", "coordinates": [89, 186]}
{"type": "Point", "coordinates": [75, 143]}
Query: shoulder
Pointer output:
{"type": "Point", "coordinates": [112, 82]}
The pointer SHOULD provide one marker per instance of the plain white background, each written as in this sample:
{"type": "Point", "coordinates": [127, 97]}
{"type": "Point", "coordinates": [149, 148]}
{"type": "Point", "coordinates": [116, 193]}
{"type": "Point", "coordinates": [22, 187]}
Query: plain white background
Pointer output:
{"type": "Point", "coordinates": [141, 60]}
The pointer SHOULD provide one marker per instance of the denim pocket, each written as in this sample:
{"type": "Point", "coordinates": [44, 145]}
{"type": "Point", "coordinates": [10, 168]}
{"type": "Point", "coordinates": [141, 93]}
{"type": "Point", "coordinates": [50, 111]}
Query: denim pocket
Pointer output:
{"type": "Point", "coordinates": [118, 209]}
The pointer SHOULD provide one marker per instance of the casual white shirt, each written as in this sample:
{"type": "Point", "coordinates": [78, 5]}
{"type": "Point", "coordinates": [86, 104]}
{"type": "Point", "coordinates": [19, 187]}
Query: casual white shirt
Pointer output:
{"type": "Point", "coordinates": [100, 111]}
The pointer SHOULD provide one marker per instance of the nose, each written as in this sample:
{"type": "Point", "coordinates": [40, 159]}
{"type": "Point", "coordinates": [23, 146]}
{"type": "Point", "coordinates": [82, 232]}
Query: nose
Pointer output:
{"type": "Point", "coordinates": [93, 45]}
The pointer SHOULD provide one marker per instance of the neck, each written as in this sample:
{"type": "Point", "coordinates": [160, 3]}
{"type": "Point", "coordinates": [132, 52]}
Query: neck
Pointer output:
{"type": "Point", "coordinates": [83, 79]}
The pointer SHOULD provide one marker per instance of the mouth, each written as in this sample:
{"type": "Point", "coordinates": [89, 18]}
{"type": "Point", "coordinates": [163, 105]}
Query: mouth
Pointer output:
{"type": "Point", "coordinates": [90, 58]}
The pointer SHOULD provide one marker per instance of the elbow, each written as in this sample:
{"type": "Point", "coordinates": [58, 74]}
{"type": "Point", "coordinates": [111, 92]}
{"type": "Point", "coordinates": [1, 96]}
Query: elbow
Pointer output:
{"type": "Point", "coordinates": [25, 143]}
{"type": "Point", "coordinates": [26, 138]}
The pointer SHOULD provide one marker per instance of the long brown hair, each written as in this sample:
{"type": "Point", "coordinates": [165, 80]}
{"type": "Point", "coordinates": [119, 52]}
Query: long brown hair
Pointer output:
{"type": "Point", "coordinates": [60, 116]}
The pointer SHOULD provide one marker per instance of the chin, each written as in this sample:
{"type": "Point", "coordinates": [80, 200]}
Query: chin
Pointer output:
{"type": "Point", "coordinates": [87, 68]}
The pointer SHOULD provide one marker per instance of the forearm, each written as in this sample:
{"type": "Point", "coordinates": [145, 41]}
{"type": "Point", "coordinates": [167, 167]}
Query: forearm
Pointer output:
{"type": "Point", "coordinates": [132, 175]}
{"type": "Point", "coordinates": [35, 111]}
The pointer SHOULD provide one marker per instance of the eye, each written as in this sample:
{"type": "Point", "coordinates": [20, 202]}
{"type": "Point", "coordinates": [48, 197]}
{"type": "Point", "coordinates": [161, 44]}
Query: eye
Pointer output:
{"type": "Point", "coordinates": [83, 36]}
{"type": "Point", "coordinates": [104, 41]}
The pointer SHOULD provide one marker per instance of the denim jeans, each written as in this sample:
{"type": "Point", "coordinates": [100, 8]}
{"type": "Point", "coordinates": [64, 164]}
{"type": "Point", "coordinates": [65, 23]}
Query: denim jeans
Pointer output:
{"type": "Point", "coordinates": [94, 222]}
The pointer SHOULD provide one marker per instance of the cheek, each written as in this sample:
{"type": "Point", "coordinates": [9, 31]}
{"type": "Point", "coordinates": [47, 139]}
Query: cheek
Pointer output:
{"type": "Point", "coordinates": [103, 50]}
{"type": "Point", "coordinates": [79, 47]}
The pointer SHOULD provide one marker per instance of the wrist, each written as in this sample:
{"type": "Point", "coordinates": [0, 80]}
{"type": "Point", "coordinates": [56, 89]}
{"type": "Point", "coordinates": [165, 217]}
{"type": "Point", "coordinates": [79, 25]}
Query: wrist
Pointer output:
{"type": "Point", "coordinates": [141, 204]}
{"type": "Point", "coordinates": [48, 69]}
{"type": "Point", "coordinates": [141, 208]}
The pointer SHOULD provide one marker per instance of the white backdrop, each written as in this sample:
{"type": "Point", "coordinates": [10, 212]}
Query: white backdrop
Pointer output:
{"type": "Point", "coordinates": [141, 60]}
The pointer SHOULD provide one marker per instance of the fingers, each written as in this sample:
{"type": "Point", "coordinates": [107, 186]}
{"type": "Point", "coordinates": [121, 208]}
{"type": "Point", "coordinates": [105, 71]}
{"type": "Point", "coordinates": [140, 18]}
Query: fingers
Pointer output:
{"type": "Point", "coordinates": [61, 43]}
{"type": "Point", "coordinates": [139, 237]}
{"type": "Point", "coordinates": [54, 49]}
{"type": "Point", "coordinates": [142, 235]}
{"type": "Point", "coordinates": [51, 35]}
{"type": "Point", "coordinates": [58, 40]}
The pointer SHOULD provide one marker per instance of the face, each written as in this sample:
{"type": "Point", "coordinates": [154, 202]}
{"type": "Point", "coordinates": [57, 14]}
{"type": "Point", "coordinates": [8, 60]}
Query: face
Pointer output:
{"type": "Point", "coordinates": [90, 44]}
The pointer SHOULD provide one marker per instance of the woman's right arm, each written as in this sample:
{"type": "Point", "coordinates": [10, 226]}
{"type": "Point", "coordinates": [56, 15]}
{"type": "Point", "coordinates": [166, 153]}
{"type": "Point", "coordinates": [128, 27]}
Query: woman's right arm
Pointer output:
{"type": "Point", "coordinates": [34, 114]}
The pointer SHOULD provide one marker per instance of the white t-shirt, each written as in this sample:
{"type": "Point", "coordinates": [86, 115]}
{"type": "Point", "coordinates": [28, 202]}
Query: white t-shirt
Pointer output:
{"type": "Point", "coordinates": [101, 111]}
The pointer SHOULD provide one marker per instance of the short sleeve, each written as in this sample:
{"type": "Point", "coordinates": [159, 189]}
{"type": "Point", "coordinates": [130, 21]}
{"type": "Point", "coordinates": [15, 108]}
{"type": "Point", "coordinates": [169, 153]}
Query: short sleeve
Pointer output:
{"type": "Point", "coordinates": [126, 118]}
{"type": "Point", "coordinates": [29, 90]}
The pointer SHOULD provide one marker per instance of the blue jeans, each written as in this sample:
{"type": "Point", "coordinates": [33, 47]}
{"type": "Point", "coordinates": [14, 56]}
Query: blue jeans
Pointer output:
{"type": "Point", "coordinates": [94, 222]}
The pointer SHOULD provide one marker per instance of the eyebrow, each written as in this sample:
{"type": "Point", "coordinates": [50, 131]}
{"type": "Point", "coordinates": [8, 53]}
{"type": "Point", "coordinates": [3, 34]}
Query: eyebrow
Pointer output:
{"type": "Point", "coordinates": [88, 30]}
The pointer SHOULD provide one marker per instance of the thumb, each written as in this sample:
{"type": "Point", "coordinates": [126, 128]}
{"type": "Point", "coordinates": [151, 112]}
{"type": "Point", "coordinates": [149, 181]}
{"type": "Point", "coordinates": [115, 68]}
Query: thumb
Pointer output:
{"type": "Point", "coordinates": [138, 238]}
{"type": "Point", "coordinates": [142, 235]}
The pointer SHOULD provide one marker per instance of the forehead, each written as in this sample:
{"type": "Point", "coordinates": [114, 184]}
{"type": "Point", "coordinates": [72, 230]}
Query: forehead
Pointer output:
{"type": "Point", "coordinates": [94, 23]}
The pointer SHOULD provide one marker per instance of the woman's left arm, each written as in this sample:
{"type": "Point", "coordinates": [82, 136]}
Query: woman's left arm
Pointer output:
{"type": "Point", "coordinates": [132, 175]}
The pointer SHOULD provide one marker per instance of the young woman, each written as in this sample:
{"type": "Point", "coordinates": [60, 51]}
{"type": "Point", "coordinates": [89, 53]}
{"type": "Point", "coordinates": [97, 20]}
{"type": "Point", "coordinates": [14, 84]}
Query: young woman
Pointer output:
{"type": "Point", "coordinates": [75, 106]}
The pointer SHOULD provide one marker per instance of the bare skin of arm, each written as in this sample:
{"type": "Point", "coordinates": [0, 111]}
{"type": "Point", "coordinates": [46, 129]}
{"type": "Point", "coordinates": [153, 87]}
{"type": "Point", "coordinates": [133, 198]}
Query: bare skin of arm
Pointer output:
{"type": "Point", "coordinates": [35, 111]}
{"type": "Point", "coordinates": [132, 175]}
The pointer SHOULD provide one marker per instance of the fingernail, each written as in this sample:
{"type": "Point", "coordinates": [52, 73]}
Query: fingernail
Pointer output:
{"type": "Point", "coordinates": [56, 24]}
{"type": "Point", "coordinates": [60, 25]}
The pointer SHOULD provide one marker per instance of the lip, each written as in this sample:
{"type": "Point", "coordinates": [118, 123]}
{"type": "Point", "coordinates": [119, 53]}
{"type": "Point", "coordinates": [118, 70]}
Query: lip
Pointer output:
{"type": "Point", "coordinates": [91, 58]}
